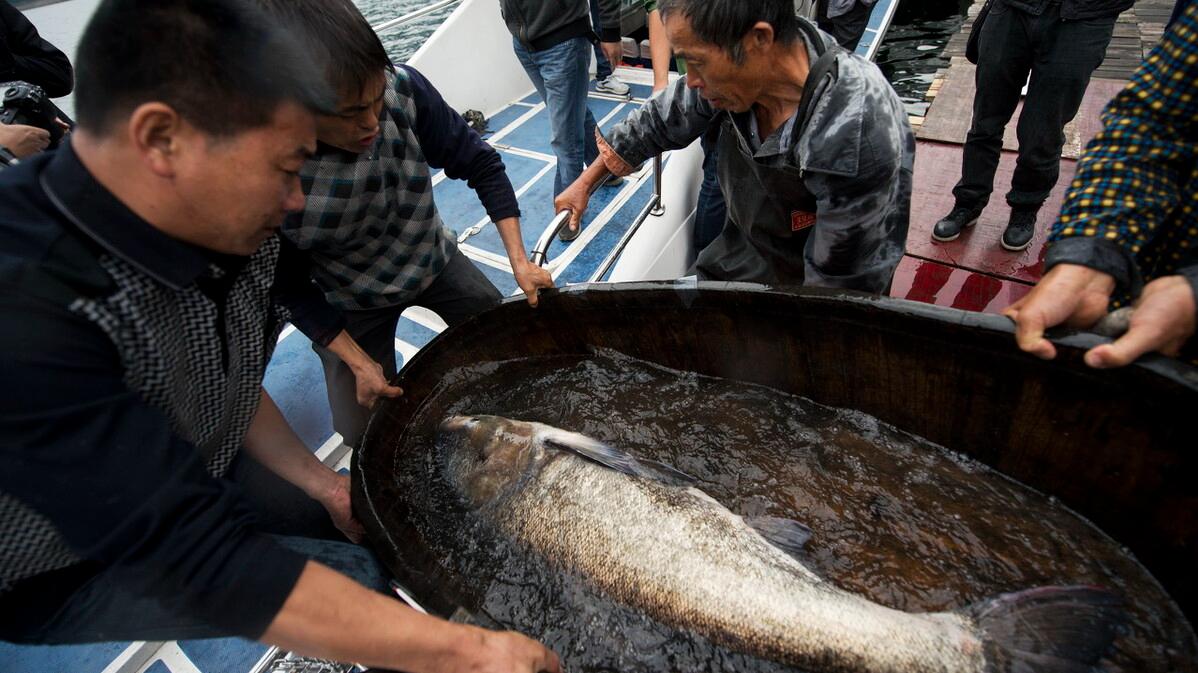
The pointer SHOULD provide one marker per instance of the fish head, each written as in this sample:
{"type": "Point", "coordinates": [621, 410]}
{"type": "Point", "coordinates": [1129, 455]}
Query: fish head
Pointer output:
{"type": "Point", "coordinates": [488, 456]}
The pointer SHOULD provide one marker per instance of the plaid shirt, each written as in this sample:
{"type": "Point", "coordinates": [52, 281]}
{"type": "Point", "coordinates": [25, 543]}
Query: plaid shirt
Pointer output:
{"type": "Point", "coordinates": [1130, 211]}
{"type": "Point", "coordinates": [370, 226]}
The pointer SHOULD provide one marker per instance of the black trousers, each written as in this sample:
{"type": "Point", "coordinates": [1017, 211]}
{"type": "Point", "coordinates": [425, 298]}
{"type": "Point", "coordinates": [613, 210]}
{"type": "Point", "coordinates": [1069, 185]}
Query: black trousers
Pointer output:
{"type": "Point", "coordinates": [459, 292]}
{"type": "Point", "coordinates": [1061, 56]}
{"type": "Point", "coordinates": [847, 28]}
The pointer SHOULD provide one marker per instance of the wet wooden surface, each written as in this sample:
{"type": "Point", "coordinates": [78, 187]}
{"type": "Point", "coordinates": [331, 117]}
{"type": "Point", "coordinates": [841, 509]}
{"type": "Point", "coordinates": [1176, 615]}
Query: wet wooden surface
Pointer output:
{"type": "Point", "coordinates": [941, 135]}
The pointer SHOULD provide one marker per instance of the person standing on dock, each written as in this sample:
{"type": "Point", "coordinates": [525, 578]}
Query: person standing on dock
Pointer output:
{"type": "Point", "coordinates": [370, 234]}
{"type": "Point", "coordinates": [1060, 43]}
{"type": "Point", "coordinates": [1127, 234]}
{"type": "Point", "coordinates": [815, 151]}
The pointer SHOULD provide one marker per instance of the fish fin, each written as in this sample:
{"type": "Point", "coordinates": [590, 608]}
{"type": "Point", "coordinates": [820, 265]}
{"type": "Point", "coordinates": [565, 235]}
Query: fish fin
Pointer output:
{"type": "Point", "coordinates": [592, 449]}
{"type": "Point", "coordinates": [1049, 629]}
{"type": "Point", "coordinates": [611, 457]}
{"type": "Point", "coordinates": [786, 534]}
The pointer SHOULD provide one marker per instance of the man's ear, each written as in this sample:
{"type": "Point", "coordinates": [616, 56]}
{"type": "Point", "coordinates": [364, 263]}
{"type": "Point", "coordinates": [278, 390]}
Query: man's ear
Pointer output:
{"type": "Point", "coordinates": [759, 38]}
{"type": "Point", "coordinates": [157, 133]}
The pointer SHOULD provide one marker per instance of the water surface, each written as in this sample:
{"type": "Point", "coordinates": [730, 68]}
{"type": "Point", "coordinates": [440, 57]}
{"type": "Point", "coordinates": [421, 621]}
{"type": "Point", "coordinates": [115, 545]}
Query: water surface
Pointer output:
{"type": "Point", "coordinates": [895, 518]}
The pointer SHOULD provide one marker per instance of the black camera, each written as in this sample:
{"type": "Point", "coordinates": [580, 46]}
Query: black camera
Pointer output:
{"type": "Point", "coordinates": [25, 103]}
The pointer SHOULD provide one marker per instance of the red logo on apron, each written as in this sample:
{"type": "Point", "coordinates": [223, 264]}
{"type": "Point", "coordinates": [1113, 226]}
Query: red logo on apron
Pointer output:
{"type": "Point", "coordinates": [801, 219]}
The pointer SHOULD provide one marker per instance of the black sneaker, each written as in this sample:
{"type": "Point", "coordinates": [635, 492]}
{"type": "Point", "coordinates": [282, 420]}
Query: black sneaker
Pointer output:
{"type": "Point", "coordinates": [1021, 228]}
{"type": "Point", "coordinates": [949, 228]}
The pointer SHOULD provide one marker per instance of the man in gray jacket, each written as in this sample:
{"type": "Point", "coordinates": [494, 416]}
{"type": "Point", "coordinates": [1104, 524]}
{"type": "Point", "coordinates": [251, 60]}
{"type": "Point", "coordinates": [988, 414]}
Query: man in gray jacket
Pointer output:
{"type": "Point", "coordinates": [552, 39]}
{"type": "Point", "coordinates": [818, 192]}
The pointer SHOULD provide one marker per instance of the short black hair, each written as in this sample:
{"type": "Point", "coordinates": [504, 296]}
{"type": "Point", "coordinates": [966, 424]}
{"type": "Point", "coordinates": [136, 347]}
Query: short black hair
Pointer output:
{"type": "Point", "coordinates": [221, 64]}
{"type": "Point", "coordinates": [725, 23]}
{"type": "Point", "coordinates": [341, 39]}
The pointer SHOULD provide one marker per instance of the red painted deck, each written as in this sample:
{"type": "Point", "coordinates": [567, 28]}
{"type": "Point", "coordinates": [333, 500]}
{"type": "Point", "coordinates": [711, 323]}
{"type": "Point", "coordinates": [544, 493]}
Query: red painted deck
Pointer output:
{"type": "Point", "coordinates": [974, 272]}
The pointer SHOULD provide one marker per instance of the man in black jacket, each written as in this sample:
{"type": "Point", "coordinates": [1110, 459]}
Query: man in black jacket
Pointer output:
{"type": "Point", "coordinates": [553, 42]}
{"type": "Point", "coordinates": [1061, 43]}
{"type": "Point", "coordinates": [25, 56]}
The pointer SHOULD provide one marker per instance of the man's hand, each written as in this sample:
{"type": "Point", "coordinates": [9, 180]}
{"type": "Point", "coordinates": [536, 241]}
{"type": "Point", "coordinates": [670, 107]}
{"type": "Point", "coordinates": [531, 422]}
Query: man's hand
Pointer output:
{"type": "Point", "coordinates": [531, 279]}
{"type": "Point", "coordinates": [486, 651]}
{"type": "Point", "coordinates": [573, 198]}
{"type": "Point", "coordinates": [613, 51]}
{"type": "Point", "coordinates": [371, 383]}
{"type": "Point", "coordinates": [1162, 322]}
{"type": "Point", "coordinates": [336, 501]}
{"type": "Point", "coordinates": [23, 141]}
{"type": "Point", "coordinates": [1069, 294]}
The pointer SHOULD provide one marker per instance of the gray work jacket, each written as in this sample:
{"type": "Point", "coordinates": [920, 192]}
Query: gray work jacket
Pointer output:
{"type": "Point", "coordinates": [855, 156]}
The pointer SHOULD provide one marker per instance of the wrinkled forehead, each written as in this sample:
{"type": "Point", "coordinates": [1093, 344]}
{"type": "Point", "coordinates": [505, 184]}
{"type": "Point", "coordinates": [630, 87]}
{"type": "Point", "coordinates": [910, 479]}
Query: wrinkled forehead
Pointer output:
{"type": "Point", "coordinates": [684, 42]}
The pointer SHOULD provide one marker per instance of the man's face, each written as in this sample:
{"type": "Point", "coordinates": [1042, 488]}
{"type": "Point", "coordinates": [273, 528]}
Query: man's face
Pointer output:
{"type": "Point", "coordinates": [355, 127]}
{"type": "Point", "coordinates": [237, 190]}
{"type": "Point", "coordinates": [726, 84]}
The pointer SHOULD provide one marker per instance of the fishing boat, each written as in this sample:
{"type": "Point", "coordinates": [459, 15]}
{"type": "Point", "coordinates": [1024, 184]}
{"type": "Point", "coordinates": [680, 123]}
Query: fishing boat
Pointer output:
{"type": "Point", "coordinates": [635, 231]}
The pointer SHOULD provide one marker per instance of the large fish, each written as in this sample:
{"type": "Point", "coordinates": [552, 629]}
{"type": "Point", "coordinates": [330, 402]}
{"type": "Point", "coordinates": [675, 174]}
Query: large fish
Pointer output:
{"type": "Point", "coordinates": [642, 537]}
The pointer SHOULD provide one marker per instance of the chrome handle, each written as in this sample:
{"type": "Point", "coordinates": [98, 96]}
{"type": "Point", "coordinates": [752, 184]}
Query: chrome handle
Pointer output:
{"type": "Point", "coordinates": [540, 252]}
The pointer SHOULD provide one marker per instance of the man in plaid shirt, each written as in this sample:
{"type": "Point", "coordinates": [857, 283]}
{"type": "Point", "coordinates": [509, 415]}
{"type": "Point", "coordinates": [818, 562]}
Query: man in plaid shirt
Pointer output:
{"type": "Point", "coordinates": [1128, 231]}
{"type": "Point", "coordinates": [370, 235]}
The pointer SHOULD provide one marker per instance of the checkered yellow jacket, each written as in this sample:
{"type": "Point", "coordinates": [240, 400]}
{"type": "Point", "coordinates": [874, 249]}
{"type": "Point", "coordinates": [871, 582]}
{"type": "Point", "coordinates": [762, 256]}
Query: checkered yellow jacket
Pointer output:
{"type": "Point", "coordinates": [1131, 208]}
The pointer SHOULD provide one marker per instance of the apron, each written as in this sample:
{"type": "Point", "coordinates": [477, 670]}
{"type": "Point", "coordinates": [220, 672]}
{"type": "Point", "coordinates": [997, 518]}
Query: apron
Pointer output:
{"type": "Point", "coordinates": [770, 216]}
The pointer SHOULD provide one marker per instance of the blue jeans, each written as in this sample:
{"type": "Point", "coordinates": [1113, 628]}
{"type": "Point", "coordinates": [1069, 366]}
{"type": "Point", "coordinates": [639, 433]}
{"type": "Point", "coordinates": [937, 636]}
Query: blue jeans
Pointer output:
{"type": "Point", "coordinates": [560, 75]}
{"type": "Point", "coordinates": [710, 211]}
{"type": "Point", "coordinates": [602, 65]}
{"type": "Point", "coordinates": [104, 610]}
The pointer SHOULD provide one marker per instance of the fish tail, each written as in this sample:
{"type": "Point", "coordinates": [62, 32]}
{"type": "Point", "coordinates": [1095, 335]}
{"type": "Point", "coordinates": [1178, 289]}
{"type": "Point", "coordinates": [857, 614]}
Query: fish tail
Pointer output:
{"type": "Point", "coordinates": [1049, 629]}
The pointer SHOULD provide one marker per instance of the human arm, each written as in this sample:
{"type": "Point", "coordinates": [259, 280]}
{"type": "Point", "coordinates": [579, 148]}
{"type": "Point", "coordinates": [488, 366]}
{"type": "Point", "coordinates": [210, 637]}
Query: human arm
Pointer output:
{"type": "Point", "coordinates": [670, 121]}
{"type": "Point", "coordinates": [272, 442]}
{"type": "Point", "coordinates": [330, 616]}
{"type": "Point", "coordinates": [311, 313]}
{"type": "Point", "coordinates": [1127, 193]}
{"type": "Point", "coordinates": [118, 485]}
{"type": "Point", "coordinates": [449, 142]}
{"type": "Point", "coordinates": [23, 141]}
{"type": "Point", "coordinates": [860, 231]}
{"type": "Point", "coordinates": [24, 55]}
{"type": "Point", "coordinates": [609, 31]}
{"type": "Point", "coordinates": [659, 51]}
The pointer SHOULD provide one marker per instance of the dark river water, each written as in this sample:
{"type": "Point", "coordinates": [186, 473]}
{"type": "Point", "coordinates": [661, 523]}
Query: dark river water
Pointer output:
{"type": "Point", "coordinates": [895, 519]}
{"type": "Point", "coordinates": [909, 56]}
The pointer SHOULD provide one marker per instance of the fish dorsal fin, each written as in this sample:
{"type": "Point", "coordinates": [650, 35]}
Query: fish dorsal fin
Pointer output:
{"type": "Point", "coordinates": [611, 457]}
{"type": "Point", "coordinates": [786, 534]}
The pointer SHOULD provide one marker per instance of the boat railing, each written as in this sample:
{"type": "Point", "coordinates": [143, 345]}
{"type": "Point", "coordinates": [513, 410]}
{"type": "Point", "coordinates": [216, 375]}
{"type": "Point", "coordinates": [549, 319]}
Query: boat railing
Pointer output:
{"type": "Point", "coordinates": [412, 16]}
{"type": "Point", "coordinates": [655, 207]}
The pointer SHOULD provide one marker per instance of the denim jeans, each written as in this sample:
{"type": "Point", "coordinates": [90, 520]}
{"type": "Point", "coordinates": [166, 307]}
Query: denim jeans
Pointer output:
{"type": "Point", "coordinates": [103, 610]}
{"type": "Point", "coordinates": [710, 211]}
{"type": "Point", "coordinates": [1061, 56]}
{"type": "Point", "coordinates": [560, 75]}
{"type": "Point", "coordinates": [603, 67]}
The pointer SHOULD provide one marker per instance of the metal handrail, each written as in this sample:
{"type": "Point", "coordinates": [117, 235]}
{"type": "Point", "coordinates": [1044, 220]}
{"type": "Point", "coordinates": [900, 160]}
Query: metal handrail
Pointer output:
{"type": "Point", "coordinates": [412, 16]}
{"type": "Point", "coordinates": [655, 207]}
